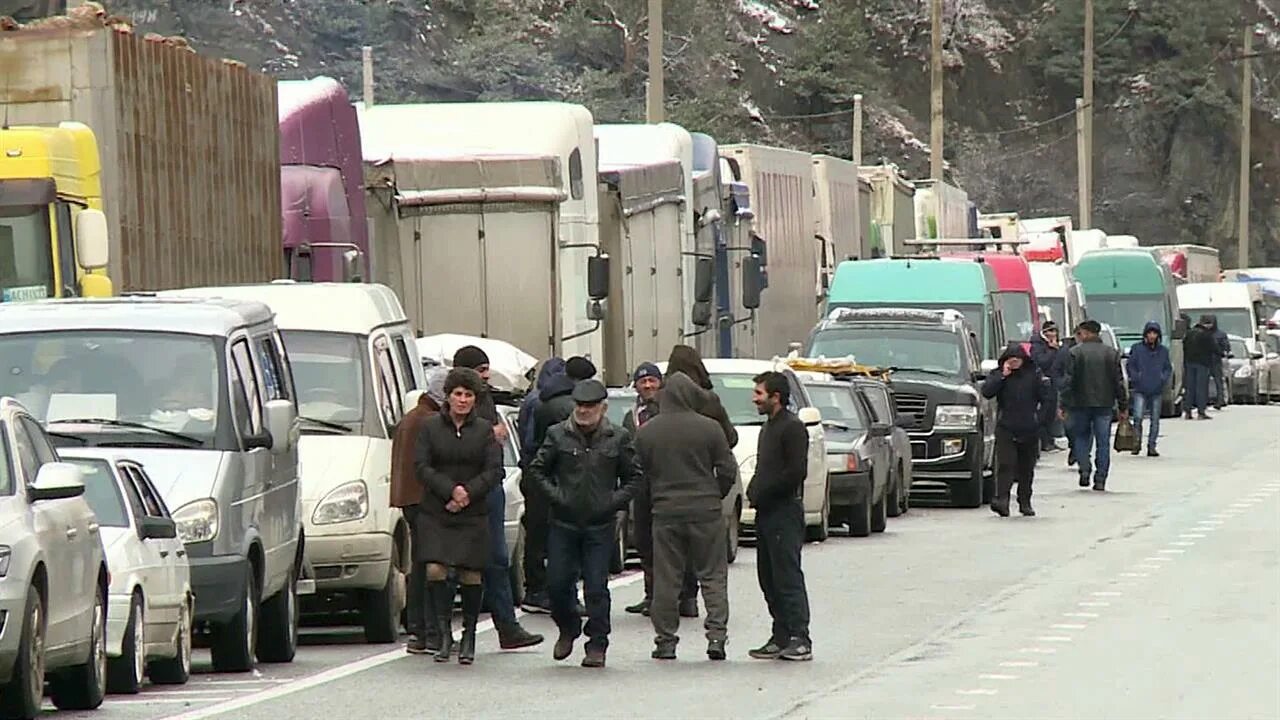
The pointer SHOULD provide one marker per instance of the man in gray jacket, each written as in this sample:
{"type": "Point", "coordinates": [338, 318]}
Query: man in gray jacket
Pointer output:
{"type": "Point", "coordinates": [689, 470]}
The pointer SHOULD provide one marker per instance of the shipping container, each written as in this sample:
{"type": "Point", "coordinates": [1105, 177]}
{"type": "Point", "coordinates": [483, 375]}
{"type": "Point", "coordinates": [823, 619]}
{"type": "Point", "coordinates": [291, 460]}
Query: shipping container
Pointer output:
{"type": "Point", "coordinates": [189, 150]}
{"type": "Point", "coordinates": [837, 219]}
{"type": "Point", "coordinates": [892, 209]}
{"type": "Point", "coordinates": [941, 210]}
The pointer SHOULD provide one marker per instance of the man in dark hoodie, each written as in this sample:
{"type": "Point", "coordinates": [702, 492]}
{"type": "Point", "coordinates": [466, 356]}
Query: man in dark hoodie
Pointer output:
{"type": "Point", "coordinates": [689, 469]}
{"type": "Point", "coordinates": [1149, 373]}
{"type": "Point", "coordinates": [1046, 356]}
{"type": "Point", "coordinates": [1022, 396]}
{"type": "Point", "coordinates": [1199, 352]}
{"type": "Point", "coordinates": [524, 421]}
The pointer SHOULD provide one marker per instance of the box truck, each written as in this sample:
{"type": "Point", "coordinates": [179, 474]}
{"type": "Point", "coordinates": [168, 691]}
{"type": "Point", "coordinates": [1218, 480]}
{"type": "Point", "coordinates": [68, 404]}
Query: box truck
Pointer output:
{"type": "Point", "coordinates": [837, 221]}
{"type": "Point", "coordinates": [892, 210]}
{"type": "Point", "coordinates": [941, 210]}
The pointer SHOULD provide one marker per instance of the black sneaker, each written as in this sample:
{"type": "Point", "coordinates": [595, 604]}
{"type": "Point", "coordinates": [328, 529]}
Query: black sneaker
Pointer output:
{"type": "Point", "coordinates": [664, 651]}
{"type": "Point", "coordinates": [1151, 452]}
{"type": "Point", "coordinates": [769, 651]}
{"type": "Point", "coordinates": [594, 658]}
{"type": "Point", "coordinates": [1000, 507]}
{"type": "Point", "coordinates": [563, 647]}
{"type": "Point", "coordinates": [640, 608]}
{"type": "Point", "coordinates": [715, 649]}
{"type": "Point", "coordinates": [797, 651]}
{"type": "Point", "coordinates": [1084, 480]}
{"type": "Point", "coordinates": [417, 645]}
{"type": "Point", "coordinates": [537, 603]}
{"type": "Point", "coordinates": [580, 609]}
{"type": "Point", "coordinates": [1026, 510]}
{"type": "Point", "coordinates": [689, 608]}
{"type": "Point", "coordinates": [1099, 487]}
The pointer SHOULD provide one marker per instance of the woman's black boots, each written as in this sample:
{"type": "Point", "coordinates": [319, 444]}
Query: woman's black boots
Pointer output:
{"type": "Point", "coordinates": [472, 596]}
{"type": "Point", "coordinates": [440, 610]}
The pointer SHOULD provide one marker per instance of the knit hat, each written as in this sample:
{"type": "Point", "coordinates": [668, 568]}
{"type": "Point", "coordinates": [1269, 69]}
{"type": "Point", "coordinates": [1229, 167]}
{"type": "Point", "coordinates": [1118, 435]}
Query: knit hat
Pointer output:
{"type": "Point", "coordinates": [579, 368]}
{"type": "Point", "coordinates": [646, 370]}
{"type": "Point", "coordinates": [470, 356]}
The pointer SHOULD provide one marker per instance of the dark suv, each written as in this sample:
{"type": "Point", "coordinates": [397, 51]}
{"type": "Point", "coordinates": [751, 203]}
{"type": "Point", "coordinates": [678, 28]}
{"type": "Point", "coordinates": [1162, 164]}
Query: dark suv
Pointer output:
{"type": "Point", "coordinates": [936, 371]}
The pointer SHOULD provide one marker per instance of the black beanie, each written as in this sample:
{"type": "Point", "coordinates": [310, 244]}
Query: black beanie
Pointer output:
{"type": "Point", "coordinates": [469, 356]}
{"type": "Point", "coordinates": [579, 368]}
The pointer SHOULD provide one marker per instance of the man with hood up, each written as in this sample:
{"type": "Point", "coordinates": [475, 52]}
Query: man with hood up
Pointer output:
{"type": "Point", "coordinates": [1199, 353]}
{"type": "Point", "coordinates": [1149, 373]}
{"type": "Point", "coordinates": [1222, 349]}
{"type": "Point", "coordinates": [1022, 396]}
{"type": "Point", "coordinates": [1046, 355]}
{"type": "Point", "coordinates": [685, 359]}
{"type": "Point", "coordinates": [689, 469]}
{"type": "Point", "coordinates": [552, 367]}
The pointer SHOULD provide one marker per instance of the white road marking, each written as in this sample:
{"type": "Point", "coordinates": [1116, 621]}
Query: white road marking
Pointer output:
{"type": "Point", "coordinates": [1068, 626]}
{"type": "Point", "coordinates": [1148, 567]}
{"type": "Point", "coordinates": [1054, 638]}
{"type": "Point", "coordinates": [1094, 604]}
{"type": "Point", "coordinates": [978, 691]}
{"type": "Point", "coordinates": [997, 676]}
{"type": "Point", "coordinates": [1039, 650]}
{"type": "Point", "coordinates": [1183, 543]}
{"type": "Point", "coordinates": [1157, 558]}
{"type": "Point", "coordinates": [1019, 663]}
{"type": "Point", "coordinates": [1133, 574]}
{"type": "Point", "coordinates": [1210, 522]}
{"type": "Point", "coordinates": [1241, 505]}
{"type": "Point", "coordinates": [951, 707]}
{"type": "Point", "coordinates": [1080, 615]}
{"type": "Point", "coordinates": [1173, 551]}
{"type": "Point", "coordinates": [1107, 593]}
{"type": "Point", "coordinates": [1193, 535]}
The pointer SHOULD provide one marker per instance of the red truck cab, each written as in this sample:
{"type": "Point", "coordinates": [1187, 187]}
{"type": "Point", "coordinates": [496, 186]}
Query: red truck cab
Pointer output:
{"type": "Point", "coordinates": [1021, 310]}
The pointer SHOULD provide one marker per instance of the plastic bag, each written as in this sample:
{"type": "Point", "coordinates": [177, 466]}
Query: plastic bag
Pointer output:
{"type": "Point", "coordinates": [1126, 437]}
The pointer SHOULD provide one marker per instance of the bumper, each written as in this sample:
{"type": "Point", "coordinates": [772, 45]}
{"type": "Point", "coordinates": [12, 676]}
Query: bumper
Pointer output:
{"type": "Point", "coordinates": [13, 600]}
{"type": "Point", "coordinates": [850, 489]}
{"type": "Point", "coordinates": [350, 562]}
{"type": "Point", "coordinates": [117, 621]}
{"type": "Point", "coordinates": [1242, 387]}
{"type": "Point", "coordinates": [936, 460]}
{"type": "Point", "coordinates": [218, 584]}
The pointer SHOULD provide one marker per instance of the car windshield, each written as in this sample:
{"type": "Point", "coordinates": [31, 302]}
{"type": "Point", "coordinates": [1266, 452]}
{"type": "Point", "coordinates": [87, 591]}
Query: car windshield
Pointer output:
{"type": "Point", "coordinates": [1018, 321]}
{"type": "Point", "coordinates": [1057, 310]}
{"type": "Point", "coordinates": [1127, 315]}
{"type": "Point", "coordinates": [329, 374]}
{"type": "Point", "coordinates": [936, 351]}
{"type": "Point", "coordinates": [26, 268]}
{"type": "Point", "coordinates": [102, 492]}
{"type": "Point", "coordinates": [1232, 321]}
{"type": "Point", "coordinates": [166, 381]}
{"type": "Point", "coordinates": [975, 315]}
{"type": "Point", "coordinates": [837, 404]}
{"type": "Point", "coordinates": [735, 391]}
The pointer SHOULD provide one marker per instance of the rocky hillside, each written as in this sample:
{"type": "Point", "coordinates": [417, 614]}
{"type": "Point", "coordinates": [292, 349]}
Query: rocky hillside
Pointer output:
{"type": "Point", "coordinates": [784, 72]}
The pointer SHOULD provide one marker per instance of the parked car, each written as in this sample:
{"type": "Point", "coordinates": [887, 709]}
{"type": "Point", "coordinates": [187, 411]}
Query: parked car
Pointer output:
{"type": "Point", "coordinates": [53, 576]}
{"type": "Point", "coordinates": [858, 456]}
{"type": "Point", "coordinates": [882, 400]}
{"type": "Point", "coordinates": [200, 391]}
{"type": "Point", "coordinates": [1271, 350]}
{"type": "Point", "coordinates": [1248, 371]}
{"type": "Point", "coordinates": [513, 529]}
{"type": "Point", "coordinates": [150, 603]}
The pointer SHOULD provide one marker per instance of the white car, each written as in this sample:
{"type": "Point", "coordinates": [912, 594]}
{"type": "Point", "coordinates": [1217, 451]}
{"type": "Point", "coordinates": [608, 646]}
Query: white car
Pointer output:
{"type": "Point", "coordinates": [734, 383]}
{"type": "Point", "coordinates": [150, 603]}
{"type": "Point", "coordinates": [512, 527]}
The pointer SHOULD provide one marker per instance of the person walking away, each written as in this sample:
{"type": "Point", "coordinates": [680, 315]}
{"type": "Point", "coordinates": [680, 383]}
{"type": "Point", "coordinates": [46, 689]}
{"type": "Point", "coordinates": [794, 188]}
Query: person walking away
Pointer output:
{"type": "Point", "coordinates": [587, 469]}
{"type": "Point", "coordinates": [1198, 355]}
{"type": "Point", "coordinates": [406, 494]}
{"type": "Point", "coordinates": [1045, 356]}
{"type": "Point", "coordinates": [555, 405]}
{"type": "Point", "coordinates": [458, 463]}
{"type": "Point", "coordinates": [1149, 372]}
{"type": "Point", "coordinates": [524, 420]}
{"type": "Point", "coordinates": [775, 492]}
{"type": "Point", "coordinates": [1022, 397]}
{"type": "Point", "coordinates": [497, 572]}
{"type": "Point", "coordinates": [689, 470]}
{"type": "Point", "coordinates": [647, 381]}
{"type": "Point", "coordinates": [1064, 418]}
{"type": "Point", "coordinates": [1222, 350]}
{"type": "Point", "coordinates": [1093, 387]}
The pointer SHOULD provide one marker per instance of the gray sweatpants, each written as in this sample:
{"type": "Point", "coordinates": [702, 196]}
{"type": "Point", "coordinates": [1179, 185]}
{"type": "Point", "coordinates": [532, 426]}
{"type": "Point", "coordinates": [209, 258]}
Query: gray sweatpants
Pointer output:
{"type": "Point", "coordinates": [700, 547]}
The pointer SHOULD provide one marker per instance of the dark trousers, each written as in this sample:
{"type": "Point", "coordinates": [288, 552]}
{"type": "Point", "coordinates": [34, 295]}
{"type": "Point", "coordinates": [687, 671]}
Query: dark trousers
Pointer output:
{"type": "Point", "coordinates": [1197, 384]}
{"type": "Point", "coordinates": [497, 574]}
{"type": "Point", "coordinates": [779, 537]}
{"type": "Point", "coordinates": [415, 622]}
{"type": "Point", "coordinates": [679, 548]}
{"type": "Point", "coordinates": [1049, 425]}
{"type": "Point", "coordinates": [574, 552]}
{"type": "Point", "coordinates": [642, 517]}
{"type": "Point", "coordinates": [1015, 463]}
{"type": "Point", "coordinates": [536, 521]}
{"type": "Point", "coordinates": [1219, 385]}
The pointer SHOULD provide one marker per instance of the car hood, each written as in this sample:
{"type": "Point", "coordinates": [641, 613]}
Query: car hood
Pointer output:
{"type": "Point", "coordinates": [327, 461]}
{"type": "Point", "coordinates": [181, 475]}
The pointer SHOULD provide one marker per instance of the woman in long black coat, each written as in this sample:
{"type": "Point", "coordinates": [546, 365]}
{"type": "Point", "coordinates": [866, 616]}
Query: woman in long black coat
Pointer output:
{"type": "Point", "coordinates": [458, 461]}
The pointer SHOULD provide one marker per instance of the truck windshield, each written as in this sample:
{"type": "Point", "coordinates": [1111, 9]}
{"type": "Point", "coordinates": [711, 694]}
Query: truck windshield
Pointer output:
{"type": "Point", "coordinates": [1127, 314]}
{"type": "Point", "coordinates": [329, 373]}
{"type": "Point", "coordinates": [1232, 321]}
{"type": "Point", "coordinates": [26, 267]}
{"type": "Point", "coordinates": [166, 381]}
{"type": "Point", "coordinates": [935, 351]}
{"type": "Point", "coordinates": [1018, 321]}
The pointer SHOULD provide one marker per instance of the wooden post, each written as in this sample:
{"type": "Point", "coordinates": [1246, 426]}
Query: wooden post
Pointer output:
{"type": "Point", "coordinates": [935, 92]}
{"type": "Point", "coordinates": [1088, 106]}
{"type": "Point", "coordinates": [1246, 130]}
{"type": "Point", "coordinates": [1082, 165]}
{"type": "Point", "coordinates": [856, 153]}
{"type": "Point", "coordinates": [655, 94]}
{"type": "Point", "coordinates": [367, 67]}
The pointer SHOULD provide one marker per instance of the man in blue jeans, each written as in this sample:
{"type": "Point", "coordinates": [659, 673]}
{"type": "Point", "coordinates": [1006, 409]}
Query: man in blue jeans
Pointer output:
{"type": "Point", "coordinates": [1092, 386]}
{"type": "Point", "coordinates": [1149, 373]}
{"type": "Point", "coordinates": [1199, 353]}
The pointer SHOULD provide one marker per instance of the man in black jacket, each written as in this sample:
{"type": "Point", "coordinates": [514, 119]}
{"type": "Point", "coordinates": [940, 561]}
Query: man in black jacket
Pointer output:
{"type": "Point", "coordinates": [1199, 353]}
{"type": "Point", "coordinates": [689, 470]}
{"type": "Point", "coordinates": [1092, 388]}
{"type": "Point", "coordinates": [775, 491]}
{"type": "Point", "coordinates": [587, 470]}
{"type": "Point", "coordinates": [1023, 397]}
{"type": "Point", "coordinates": [1222, 350]}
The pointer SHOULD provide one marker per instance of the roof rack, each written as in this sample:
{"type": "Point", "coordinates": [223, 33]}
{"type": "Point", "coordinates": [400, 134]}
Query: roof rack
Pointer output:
{"type": "Point", "coordinates": [839, 367]}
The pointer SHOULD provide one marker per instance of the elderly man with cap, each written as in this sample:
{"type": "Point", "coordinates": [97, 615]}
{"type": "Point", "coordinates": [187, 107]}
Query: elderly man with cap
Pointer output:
{"type": "Point", "coordinates": [588, 471]}
{"type": "Point", "coordinates": [497, 573]}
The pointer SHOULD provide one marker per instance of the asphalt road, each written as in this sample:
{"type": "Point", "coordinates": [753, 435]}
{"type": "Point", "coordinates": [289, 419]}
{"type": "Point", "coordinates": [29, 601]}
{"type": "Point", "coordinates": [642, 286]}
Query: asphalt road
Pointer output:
{"type": "Point", "coordinates": [1157, 599]}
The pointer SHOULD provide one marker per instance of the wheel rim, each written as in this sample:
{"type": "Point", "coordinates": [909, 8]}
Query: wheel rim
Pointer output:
{"type": "Point", "coordinates": [184, 638]}
{"type": "Point", "coordinates": [291, 605]}
{"type": "Point", "coordinates": [139, 653]}
{"type": "Point", "coordinates": [99, 650]}
{"type": "Point", "coordinates": [251, 620]}
{"type": "Point", "coordinates": [36, 659]}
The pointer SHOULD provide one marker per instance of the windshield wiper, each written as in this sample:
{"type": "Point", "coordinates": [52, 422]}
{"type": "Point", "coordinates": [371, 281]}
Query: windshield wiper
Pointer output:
{"type": "Point", "coordinates": [927, 371]}
{"type": "Point", "coordinates": [134, 426]}
{"type": "Point", "coordinates": [327, 424]}
{"type": "Point", "coordinates": [837, 425]}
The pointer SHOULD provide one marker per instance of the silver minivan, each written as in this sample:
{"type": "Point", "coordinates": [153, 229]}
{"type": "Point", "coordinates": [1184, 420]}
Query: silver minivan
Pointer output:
{"type": "Point", "coordinates": [202, 394]}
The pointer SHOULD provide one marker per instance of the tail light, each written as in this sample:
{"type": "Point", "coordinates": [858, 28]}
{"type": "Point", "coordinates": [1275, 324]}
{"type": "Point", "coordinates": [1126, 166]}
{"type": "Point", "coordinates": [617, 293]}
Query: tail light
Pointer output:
{"type": "Point", "coordinates": [851, 462]}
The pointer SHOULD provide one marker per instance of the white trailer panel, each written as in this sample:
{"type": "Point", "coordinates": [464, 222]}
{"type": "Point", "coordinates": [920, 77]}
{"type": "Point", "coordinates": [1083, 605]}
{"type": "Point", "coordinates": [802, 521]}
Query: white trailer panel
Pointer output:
{"type": "Point", "coordinates": [838, 220]}
{"type": "Point", "coordinates": [942, 210]}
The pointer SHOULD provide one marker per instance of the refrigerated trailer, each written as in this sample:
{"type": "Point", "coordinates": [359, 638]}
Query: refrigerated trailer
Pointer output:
{"type": "Point", "coordinates": [892, 210]}
{"type": "Point", "coordinates": [837, 221]}
{"type": "Point", "coordinates": [941, 210]}
{"type": "Point", "coordinates": [1191, 263]}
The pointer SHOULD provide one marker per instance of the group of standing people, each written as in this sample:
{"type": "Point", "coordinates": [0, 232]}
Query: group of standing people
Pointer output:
{"type": "Point", "coordinates": [670, 462]}
{"type": "Point", "coordinates": [1204, 348]}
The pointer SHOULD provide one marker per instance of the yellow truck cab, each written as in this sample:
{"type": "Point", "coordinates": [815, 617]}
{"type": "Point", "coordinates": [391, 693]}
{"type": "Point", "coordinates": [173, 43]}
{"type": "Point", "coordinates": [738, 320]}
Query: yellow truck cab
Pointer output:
{"type": "Point", "coordinates": [53, 233]}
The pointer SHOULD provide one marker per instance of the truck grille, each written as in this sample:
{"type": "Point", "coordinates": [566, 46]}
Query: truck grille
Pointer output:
{"type": "Point", "coordinates": [913, 405]}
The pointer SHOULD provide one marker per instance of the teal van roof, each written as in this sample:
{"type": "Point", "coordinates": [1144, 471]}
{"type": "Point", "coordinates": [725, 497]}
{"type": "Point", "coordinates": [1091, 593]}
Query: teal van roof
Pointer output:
{"type": "Point", "coordinates": [1119, 272]}
{"type": "Point", "coordinates": [888, 281]}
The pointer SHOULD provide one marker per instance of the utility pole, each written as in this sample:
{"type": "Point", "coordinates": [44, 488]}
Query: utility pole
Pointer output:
{"type": "Point", "coordinates": [367, 68]}
{"type": "Point", "coordinates": [856, 154]}
{"type": "Point", "coordinates": [1082, 164]}
{"type": "Point", "coordinates": [654, 110]}
{"type": "Point", "coordinates": [1087, 197]}
{"type": "Point", "coordinates": [1246, 128]}
{"type": "Point", "coordinates": [935, 91]}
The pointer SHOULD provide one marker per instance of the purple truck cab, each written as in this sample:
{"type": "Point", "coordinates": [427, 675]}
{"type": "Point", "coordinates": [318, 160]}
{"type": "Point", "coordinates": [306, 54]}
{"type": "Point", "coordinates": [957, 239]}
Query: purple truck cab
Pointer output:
{"type": "Point", "coordinates": [326, 235]}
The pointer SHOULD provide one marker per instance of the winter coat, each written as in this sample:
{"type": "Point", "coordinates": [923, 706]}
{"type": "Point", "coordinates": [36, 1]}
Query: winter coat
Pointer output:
{"type": "Point", "coordinates": [524, 421]}
{"type": "Point", "coordinates": [687, 462]}
{"type": "Point", "coordinates": [685, 359]}
{"type": "Point", "coordinates": [405, 489]}
{"type": "Point", "coordinates": [1048, 360]}
{"type": "Point", "coordinates": [1198, 347]}
{"type": "Point", "coordinates": [587, 478]}
{"type": "Point", "coordinates": [650, 407]}
{"type": "Point", "coordinates": [1092, 378]}
{"type": "Point", "coordinates": [1021, 397]}
{"type": "Point", "coordinates": [782, 462]}
{"type": "Point", "coordinates": [1149, 366]}
{"type": "Point", "coordinates": [555, 405]}
{"type": "Point", "coordinates": [448, 456]}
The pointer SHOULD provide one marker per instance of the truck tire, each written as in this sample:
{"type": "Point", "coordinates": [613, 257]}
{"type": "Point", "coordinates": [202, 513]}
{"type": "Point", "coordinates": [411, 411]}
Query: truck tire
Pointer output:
{"type": "Point", "coordinates": [860, 520]}
{"type": "Point", "coordinates": [279, 617]}
{"type": "Point", "coordinates": [83, 687]}
{"type": "Point", "coordinates": [233, 642]}
{"type": "Point", "coordinates": [878, 514]}
{"type": "Point", "coordinates": [23, 695]}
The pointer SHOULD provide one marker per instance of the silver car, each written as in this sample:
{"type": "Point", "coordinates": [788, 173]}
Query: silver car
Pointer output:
{"type": "Point", "coordinates": [53, 576]}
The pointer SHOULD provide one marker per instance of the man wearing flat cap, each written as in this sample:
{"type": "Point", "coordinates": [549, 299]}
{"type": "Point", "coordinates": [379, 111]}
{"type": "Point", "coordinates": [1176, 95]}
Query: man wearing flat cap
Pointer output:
{"type": "Point", "coordinates": [588, 471]}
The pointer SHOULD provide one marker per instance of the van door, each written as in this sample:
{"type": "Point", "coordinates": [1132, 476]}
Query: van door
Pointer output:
{"type": "Point", "coordinates": [283, 499]}
{"type": "Point", "coordinates": [248, 505]}
{"type": "Point", "coordinates": [389, 388]}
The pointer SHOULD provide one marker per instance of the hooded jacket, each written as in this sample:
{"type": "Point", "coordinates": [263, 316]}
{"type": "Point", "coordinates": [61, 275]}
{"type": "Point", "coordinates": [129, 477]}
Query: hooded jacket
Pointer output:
{"type": "Point", "coordinates": [555, 405]}
{"type": "Point", "coordinates": [1021, 397]}
{"type": "Point", "coordinates": [687, 463]}
{"type": "Point", "coordinates": [524, 421]}
{"type": "Point", "coordinates": [1149, 366]}
{"type": "Point", "coordinates": [588, 477]}
{"type": "Point", "coordinates": [1047, 359]}
{"type": "Point", "coordinates": [1198, 347]}
{"type": "Point", "coordinates": [406, 491]}
{"type": "Point", "coordinates": [685, 359]}
{"type": "Point", "coordinates": [1222, 343]}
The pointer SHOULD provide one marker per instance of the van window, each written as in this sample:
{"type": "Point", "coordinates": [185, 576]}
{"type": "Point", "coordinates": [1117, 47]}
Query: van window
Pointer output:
{"type": "Point", "coordinates": [575, 174]}
{"type": "Point", "coordinates": [245, 393]}
{"type": "Point", "coordinates": [390, 394]}
{"type": "Point", "coordinates": [273, 373]}
{"type": "Point", "coordinates": [406, 362]}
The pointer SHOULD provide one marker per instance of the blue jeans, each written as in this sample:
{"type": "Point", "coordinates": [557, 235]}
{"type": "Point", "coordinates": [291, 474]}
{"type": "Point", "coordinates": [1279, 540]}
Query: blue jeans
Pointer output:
{"type": "Point", "coordinates": [574, 552]}
{"type": "Point", "coordinates": [497, 574]}
{"type": "Point", "coordinates": [1092, 425]}
{"type": "Point", "coordinates": [1197, 384]}
{"type": "Point", "coordinates": [1144, 403]}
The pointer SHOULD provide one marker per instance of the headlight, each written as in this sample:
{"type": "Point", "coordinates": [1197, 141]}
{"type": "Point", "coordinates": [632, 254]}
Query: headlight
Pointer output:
{"type": "Point", "coordinates": [955, 417]}
{"type": "Point", "coordinates": [197, 521]}
{"type": "Point", "coordinates": [4, 560]}
{"type": "Point", "coordinates": [1244, 371]}
{"type": "Point", "coordinates": [347, 502]}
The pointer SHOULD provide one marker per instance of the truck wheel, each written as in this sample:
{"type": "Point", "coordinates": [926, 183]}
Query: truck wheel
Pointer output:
{"type": "Point", "coordinates": [970, 494]}
{"type": "Point", "coordinates": [382, 608]}
{"type": "Point", "coordinates": [278, 641]}
{"type": "Point", "coordinates": [83, 687]}
{"type": "Point", "coordinates": [124, 674]}
{"type": "Point", "coordinates": [177, 669]}
{"type": "Point", "coordinates": [878, 515]}
{"type": "Point", "coordinates": [233, 642]}
{"type": "Point", "coordinates": [23, 695]}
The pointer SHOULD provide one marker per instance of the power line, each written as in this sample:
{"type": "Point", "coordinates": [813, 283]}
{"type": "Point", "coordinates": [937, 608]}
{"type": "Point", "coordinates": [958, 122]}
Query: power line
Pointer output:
{"type": "Point", "coordinates": [1035, 150]}
{"type": "Point", "coordinates": [1027, 128]}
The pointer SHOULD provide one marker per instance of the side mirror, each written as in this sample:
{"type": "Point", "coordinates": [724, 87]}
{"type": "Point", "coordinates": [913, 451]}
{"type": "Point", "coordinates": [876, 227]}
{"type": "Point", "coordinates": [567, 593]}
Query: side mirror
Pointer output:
{"type": "Point", "coordinates": [881, 429]}
{"type": "Point", "coordinates": [91, 239]}
{"type": "Point", "coordinates": [154, 528]}
{"type": "Point", "coordinates": [904, 421]}
{"type": "Point", "coordinates": [810, 416]}
{"type": "Point", "coordinates": [752, 281]}
{"type": "Point", "coordinates": [351, 261]}
{"type": "Point", "coordinates": [703, 280]}
{"type": "Point", "coordinates": [1256, 355]}
{"type": "Point", "coordinates": [986, 368]}
{"type": "Point", "coordinates": [57, 481]}
{"type": "Point", "coordinates": [701, 314]}
{"type": "Point", "coordinates": [760, 249]}
{"type": "Point", "coordinates": [281, 424]}
{"type": "Point", "coordinates": [1179, 328]}
{"type": "Point", "coordinates": [595, 311]}
{"type": "Point", "coordinates": [598, 277]}
{"type": "Point", "coordinates": [412, 398]}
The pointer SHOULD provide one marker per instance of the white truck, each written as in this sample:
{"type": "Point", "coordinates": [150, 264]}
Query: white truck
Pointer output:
{"type": "Point", "coordinates": [941, 210]}
{"type": "Point", "coordinates": [893, 214]}
{"type": "Point", "coordinates": [1191, 263]}
{"type": "Point", "coordinates": [838, 221]}
{"type": "Point", "coordinates": [744, 250]}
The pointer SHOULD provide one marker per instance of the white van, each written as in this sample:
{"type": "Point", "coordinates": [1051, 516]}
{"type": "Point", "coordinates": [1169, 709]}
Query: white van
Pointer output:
{"type": "Point", "coordinates": [1060, 297]}
{"type": "Point", "coordinates": [1237, 305]}
{"type": "Point", "coordinates": [356, 371]}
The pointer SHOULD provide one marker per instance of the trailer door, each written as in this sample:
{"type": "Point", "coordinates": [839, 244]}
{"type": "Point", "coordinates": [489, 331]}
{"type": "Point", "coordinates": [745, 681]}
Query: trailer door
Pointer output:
{"type": "Point", "coordinates": [518, 273]}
